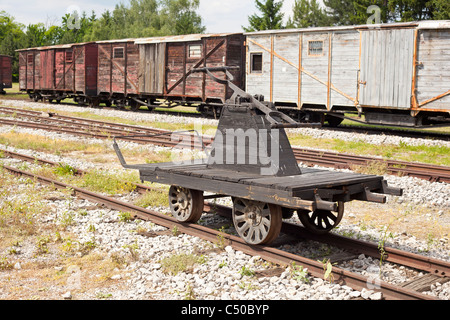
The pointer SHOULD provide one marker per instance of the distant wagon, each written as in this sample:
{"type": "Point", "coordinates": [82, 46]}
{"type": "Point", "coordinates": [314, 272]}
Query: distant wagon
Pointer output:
{"type": "Point", "coordinates": [59, 72]}
{"type": "Point", "coordinates": [149, 71]}
{"type": "Point", "coordinates": [5, 73]}
{"type": "Point", "coordinates": [396, 74]}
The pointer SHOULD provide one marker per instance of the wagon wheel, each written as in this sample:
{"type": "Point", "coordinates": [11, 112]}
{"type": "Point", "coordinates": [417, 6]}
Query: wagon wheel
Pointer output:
{"type": "Point", "coordinates": [256, 222]}
{"type": "Point", "coordinates": [134, 105]}
{"type": "Point", "coordinates": [321, 221]}
{"type": "Point", "coordinates": [186, 204]}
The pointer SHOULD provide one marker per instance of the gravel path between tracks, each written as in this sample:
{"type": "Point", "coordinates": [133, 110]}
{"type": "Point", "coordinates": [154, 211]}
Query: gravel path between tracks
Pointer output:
{"type": "Point", "coordinates": [99, 256]}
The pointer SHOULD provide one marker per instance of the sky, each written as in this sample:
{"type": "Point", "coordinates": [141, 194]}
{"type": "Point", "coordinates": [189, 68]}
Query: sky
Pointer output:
{"type": "Point", "coordinates": [218, 15]}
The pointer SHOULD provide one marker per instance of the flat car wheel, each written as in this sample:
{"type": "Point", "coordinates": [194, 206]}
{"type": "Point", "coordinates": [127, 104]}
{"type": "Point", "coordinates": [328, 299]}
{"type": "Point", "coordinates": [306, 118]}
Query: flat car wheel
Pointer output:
{"type": "Point", "coordinates": [256, 222]}
{"type": "Point", "coordinates": [321, 221]}
{"type": "Point", "coordinates": [186, 204]}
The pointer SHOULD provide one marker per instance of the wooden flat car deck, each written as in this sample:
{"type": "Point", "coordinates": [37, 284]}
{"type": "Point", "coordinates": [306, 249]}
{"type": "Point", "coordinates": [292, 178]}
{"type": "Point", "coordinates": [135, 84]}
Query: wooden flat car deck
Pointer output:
{"type": "Point", "coordinates": [313, 188]}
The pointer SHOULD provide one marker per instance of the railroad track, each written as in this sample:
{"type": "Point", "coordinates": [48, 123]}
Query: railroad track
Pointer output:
{"type": "Point", "coordinates": [106, 130]}
{"type": "Point", "coordinates": [378, 130]}
{"type": "Point", "coordinates": [436, 269]}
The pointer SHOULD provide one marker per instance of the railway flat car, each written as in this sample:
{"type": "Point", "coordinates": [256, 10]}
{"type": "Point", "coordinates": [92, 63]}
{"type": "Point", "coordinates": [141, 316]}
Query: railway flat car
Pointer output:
{"type": "Point", "coordinates": [59, 72]}
{"type": "Point", "coordinates": [395, 74]}
{"type": "Point", "coordinates": [251, 161]}
{"type": "Point", "coordinates": [5, 73]}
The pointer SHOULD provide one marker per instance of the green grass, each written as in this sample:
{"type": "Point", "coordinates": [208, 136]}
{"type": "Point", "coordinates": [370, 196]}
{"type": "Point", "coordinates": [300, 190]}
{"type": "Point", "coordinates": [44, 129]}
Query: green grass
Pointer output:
{"type": "Point", "coordinates": [438, 155]}
{"type": "Point", "coordinates": [183, 262]}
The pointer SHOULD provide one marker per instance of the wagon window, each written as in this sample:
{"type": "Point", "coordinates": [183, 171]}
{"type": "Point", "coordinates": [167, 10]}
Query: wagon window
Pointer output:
{"type": "Point", "coordinates": [118, 53]}
{"type": "Point", "coordinates": [315, 48]}
{"type": "Point", "coordinates": [256, 62]}
{"type": "Point", "coordinates": [195, 51]}
{"type": "Point", "coordinates": [69, 55]}
{"type": "Point", "coordinates": [30, 58]}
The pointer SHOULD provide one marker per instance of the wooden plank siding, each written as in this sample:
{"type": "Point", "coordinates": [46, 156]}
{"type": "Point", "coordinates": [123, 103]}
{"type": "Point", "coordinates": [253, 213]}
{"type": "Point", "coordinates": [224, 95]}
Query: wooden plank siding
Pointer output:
{"type": "Point", "coordinates": [386, 68]}
{"type": "Point", "coordinates": [118, 74]}
{"type": "Point", "coordinates": [293, 75]}
{"type": "Point", "coordinates": [433, 69]}
{"type": "Point", "coordinates": [67, 69]}
{"type": "Point", "coordinates": [403, 66]}
{"type": "Point", "coordinates": [169, 74]}
{"type": "Point", "coordinates": [5, 71]}
{"type": "Point", "coordinates": [152, 68]}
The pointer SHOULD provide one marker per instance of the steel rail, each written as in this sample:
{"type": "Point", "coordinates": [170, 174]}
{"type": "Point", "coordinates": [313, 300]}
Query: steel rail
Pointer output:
{"type": "Point", "coordinates": [315, 268]}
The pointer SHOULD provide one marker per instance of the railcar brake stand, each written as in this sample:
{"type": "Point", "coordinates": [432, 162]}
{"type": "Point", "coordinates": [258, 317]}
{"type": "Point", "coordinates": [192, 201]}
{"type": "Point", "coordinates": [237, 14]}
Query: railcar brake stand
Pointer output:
{"type": "Point", "coordinates": [251, 160]}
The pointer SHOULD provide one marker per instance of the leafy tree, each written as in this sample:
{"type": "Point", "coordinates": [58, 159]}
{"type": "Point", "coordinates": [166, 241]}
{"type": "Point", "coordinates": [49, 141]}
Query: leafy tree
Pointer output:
{"type": "Point", "coordinates": [307, 13]}
{"type": "Point", "coordinates": [271, 18]}
{"type": "Point", "coordinates": [440, 9]}
{"type": "Point", "coordinates": [181, 17]}
{"type": "Point", "coordinates": [75, 27]}
{"type": "Point", "coordinates": [411, 10]}
{"type": "Point", "coordinates": [339, 12]}
{"type": "Point", "coordinates": [343, 13]}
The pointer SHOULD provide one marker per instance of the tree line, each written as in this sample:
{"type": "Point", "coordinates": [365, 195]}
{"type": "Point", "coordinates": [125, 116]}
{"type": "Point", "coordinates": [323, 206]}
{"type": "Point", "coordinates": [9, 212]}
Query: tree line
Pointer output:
{"type": "Point", "coordinates": [148, 18]}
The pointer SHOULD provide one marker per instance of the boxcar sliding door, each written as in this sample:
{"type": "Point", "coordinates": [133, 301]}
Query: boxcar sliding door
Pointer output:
{"type": "Point", "coordinates": [386, 68]}
{"type": "Point", "coordinates": [152, 68]}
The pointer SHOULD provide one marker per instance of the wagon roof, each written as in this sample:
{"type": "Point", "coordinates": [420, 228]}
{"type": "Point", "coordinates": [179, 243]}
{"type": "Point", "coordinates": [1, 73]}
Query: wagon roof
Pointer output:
{"type": "Point", "coordinates": [58, 46]}
{"type": "Point", "coordinates": [428, 24]}
{"type": "Point", "coordinates": [181, 38]}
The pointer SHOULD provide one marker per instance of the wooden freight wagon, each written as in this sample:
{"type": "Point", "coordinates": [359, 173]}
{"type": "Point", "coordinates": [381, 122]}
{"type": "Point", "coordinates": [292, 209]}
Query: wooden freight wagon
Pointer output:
{"type": "Point", "coordinates": [166, 65]}
{"type": "Point", "coordinates": [59, 72]}
{"type": "Point", "coordinates": [118, 63]}
{"type": "Point", "coordinates": [157, 71]}
{"type": "Point", "coordinates": [5, 73]}
{"type": "Point", "coordinates": [392, 73]}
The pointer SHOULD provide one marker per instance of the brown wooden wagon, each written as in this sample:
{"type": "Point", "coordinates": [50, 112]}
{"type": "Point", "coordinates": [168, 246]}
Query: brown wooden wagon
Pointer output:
{"type": "Point", "coordinates": [157, 71]}
{"type": "Point", "coordinates": [5, 73]}
{"type": "Point", "coordinates": [59, 72]}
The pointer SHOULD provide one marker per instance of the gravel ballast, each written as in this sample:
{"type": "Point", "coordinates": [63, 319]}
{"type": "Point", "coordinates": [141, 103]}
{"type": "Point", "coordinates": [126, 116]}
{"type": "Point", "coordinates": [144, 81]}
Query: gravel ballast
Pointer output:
{"type": "Point", "coordinates": [221, 272]}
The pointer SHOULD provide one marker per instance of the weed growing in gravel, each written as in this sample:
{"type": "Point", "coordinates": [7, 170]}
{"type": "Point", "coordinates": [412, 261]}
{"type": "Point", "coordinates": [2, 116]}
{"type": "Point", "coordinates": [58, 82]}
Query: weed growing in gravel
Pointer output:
{"type": "Point", "coordinates": [133, 249]}
{"type": "Point", "coordinates": [153, 198]}
{"type": "Point", "coordinates": [41, 244]}
{"type": "Point", "coordinates": [328, 270]}
{"type": "Point", "coordinates": [177, 263]}
{"type": "Point", "coordinates": [189, 294]}
{"type": "Point", "coordinates": [125, 216]}
{"type": "Point", "coordinates": [5, 264]}
{"type": "Point", "coordinates": [245, 271]}
{"type": "Point", "coordinates": [299, 273]}
{"type": "Point", "coordinates": [98, 181]}
{"type": "Point", "coordinates": [66, 219]}
{"type": "Point", "coordinates": [65, 170]}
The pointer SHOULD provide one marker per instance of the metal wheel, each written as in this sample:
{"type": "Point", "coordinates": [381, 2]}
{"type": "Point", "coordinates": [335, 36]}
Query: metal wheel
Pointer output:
{"type": "Point", "coordinates": [256, 222]}
{"type": "Point", "coordinates": [321, 221]}
{"type": "Point", "coordinates": [186, 204]}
